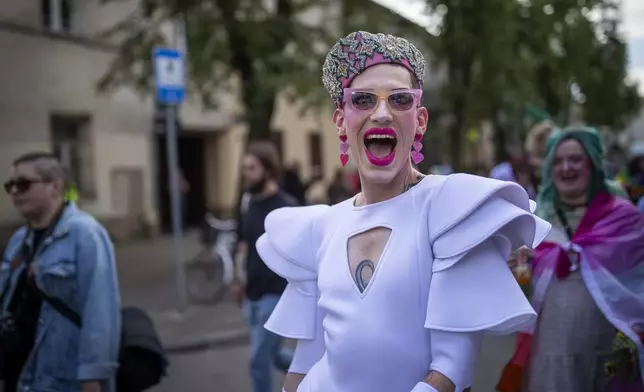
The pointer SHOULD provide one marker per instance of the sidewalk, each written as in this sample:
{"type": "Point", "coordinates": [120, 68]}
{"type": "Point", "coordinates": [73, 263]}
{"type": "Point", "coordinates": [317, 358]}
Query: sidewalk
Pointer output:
{"type": "Point", "coordinates": [147, 277]}
{"type": "Point", "coordinates": [201, 328]}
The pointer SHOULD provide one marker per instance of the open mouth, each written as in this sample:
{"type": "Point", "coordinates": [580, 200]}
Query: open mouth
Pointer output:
{"type": "Point", "coordinates": [569, 179]}
{"type": "Point", "coordinates": [380, 145]}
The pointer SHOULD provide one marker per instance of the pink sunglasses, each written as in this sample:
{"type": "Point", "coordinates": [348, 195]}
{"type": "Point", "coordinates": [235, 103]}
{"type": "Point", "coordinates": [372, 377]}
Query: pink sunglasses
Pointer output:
{"type": "Point", "coordinates": [398, 100]}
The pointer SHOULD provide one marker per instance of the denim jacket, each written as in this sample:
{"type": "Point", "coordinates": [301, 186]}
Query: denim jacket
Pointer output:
{"type": "Point", "coordinates": [76, 265]}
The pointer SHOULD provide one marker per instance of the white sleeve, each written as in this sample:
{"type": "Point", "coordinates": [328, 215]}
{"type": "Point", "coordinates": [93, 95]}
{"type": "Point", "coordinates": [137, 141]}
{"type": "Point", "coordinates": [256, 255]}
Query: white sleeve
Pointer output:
{"type": "Point", "coordinates": [454, 347]}
{"type": "Point", "coordinates": [309, 352]}
{"type": "Point", "coordinates": [483, 295]}
{"type": "Point", "coordinates": [471, 244]}
{"type": "Point", "coordinates": [472, 290]}
{"type": "Point", "coordinates": [289, 249]}
{"type": "Point", "coordinates": [455, 354]}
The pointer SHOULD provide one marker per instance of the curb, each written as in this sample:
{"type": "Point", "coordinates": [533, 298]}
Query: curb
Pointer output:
{"type": "Point", "coordinates": [221, 339]}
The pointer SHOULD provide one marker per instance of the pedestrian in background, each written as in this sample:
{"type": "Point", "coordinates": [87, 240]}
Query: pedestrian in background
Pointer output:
{"type": "Point", "coordinates": [338, 189]}
{"type": "Point", "coordinates": [61, 259]}
{"type": "Point", "coordinates": [587, 277]}
{"type": "Point", "coordinates": [262, 288]}
{"type": "Point", "coordinates": [71, 189]}
{"type": "Point", "coordinates": [293, 184]}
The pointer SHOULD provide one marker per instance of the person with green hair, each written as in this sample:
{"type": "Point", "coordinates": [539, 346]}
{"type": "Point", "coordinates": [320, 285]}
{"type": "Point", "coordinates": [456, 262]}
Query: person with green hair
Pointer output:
{"type": "Point", "coordinates": [586, 278]}
{"type": "Point", "coordinates": [594, 148]}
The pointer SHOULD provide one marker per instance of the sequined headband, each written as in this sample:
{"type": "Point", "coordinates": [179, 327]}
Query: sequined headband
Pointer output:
{"type": "Point", "coordinates": [350, 56]}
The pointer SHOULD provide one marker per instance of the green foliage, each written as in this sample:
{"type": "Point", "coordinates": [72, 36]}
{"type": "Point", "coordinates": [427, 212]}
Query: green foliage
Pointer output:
{"type": "Point", "coordinates": [608, 100]}
{"type": "Point", "coordinates": [504, 55]}
{"type": "Point", "coordinates": [501, 55]}
{"type": "Point", "coordinates": [255, 48]}
{"type": "Point", "coordinates": [243, 45]}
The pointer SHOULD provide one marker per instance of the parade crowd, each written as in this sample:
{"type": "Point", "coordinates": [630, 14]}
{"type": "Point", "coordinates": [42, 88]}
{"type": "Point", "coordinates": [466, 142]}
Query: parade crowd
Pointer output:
{"type": "Point", "coordinates": [549, 246]}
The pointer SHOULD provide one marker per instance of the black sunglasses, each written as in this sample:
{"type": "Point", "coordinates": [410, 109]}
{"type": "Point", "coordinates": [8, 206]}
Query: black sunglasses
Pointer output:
{"type": "Point", "coordinates": [21, 185]}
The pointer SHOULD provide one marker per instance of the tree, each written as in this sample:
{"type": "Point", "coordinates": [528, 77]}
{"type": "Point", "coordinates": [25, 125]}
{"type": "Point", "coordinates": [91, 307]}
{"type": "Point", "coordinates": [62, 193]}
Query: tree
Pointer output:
{"type": "Point", "coordinates": [475, 45]}
{"type": "Point", "coordinates": [608, 99]}
{"type": "Point", "coordinates": [576, 55]}
{"type": "Point", "coordinates": [242, 45]}
{"type": "Point", "coordinates": [502, 55]}
{"type": "Point", "coordinates": [500, 83]}
{"type": "Point", "coordinates": [257, 48]}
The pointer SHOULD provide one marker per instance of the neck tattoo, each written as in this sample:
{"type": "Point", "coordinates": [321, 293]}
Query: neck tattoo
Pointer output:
{"type": "Point", "coordinates": [416, 178]}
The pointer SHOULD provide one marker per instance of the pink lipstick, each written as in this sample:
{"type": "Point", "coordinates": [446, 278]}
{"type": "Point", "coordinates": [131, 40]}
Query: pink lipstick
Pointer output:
{"type": "Point", "coordinates": [380, 146]}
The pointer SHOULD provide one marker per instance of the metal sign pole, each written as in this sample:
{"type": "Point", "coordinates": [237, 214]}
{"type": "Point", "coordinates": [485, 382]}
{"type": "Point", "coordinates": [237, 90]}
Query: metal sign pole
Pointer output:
{"type": "Point", "coordinates": [175, 203]}
{"type": "Point", "coordinates": [170, 85]}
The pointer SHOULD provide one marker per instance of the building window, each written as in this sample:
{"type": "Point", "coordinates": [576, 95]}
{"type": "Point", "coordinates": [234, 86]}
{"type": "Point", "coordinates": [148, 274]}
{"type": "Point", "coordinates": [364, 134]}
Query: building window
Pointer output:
{"type": "Point", "coordinates": [57, 14]}
{"type": "Point", "coordinates": [315, 151]}
{"type": "Point", "coordinates": [72, 145]}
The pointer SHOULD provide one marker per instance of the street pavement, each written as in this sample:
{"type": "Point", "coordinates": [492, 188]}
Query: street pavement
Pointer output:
{"type": "Point", "coordinates": [147, 271]}
{"type": "Point", "coordinates": [147, 278]}
{"type": "Point", "coordinates": [208, 345]}
{"type": "Point", "coordinates": [220, 370]}
{"type": "Point", "coordinates": [225, 370]}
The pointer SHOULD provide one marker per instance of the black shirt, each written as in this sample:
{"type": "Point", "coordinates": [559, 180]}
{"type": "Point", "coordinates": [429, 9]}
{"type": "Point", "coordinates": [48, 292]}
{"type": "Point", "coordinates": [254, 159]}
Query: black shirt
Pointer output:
{"type": "Point", "coordinates": [292, 185]}
{"type": "Point", "coordinates": [25, 307]}
{"type": "Point", "coordinates": [260, 280]}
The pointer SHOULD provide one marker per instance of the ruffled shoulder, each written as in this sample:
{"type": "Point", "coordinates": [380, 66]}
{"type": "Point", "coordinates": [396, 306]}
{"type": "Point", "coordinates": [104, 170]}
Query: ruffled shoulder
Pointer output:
{"type": "Point", "coordinates": [288, 247]}
{"type": "Point", "coordinates": [467, 210]}
{"type": "Point", "coordinates": [292, 238]}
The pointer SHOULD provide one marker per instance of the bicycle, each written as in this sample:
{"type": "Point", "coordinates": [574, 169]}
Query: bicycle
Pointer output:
{"type": "Point", "coordinates": [210, 273]}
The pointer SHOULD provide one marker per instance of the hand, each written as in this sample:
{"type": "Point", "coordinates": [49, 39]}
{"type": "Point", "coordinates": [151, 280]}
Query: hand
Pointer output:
{"type": "Point", "coordinates": [91, 386]}
{"type": "Point", "coordinates": [237, 289]}
{"type": "Point", "coordinates": [522, 255]}
{"type": "Point", "coordinates": [440, 382]}
{"type": "Point", "coordinates": [292, 382]}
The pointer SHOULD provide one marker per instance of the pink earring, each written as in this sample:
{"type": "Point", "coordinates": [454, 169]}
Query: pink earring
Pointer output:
{"type": "Point", "coordinates": [344, 150]}
{"type": "Point", "coordinates": [416, 155]}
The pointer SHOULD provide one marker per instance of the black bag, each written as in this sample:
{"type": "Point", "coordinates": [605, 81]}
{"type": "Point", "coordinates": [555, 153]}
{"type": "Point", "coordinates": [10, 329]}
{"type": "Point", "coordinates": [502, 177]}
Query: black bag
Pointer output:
{"type": "Point", "coordinates": [8, 342]}
{"type": "Point", "coordinates": [142, 359]}
{"type": "Point", "coordinates": [9, 336]}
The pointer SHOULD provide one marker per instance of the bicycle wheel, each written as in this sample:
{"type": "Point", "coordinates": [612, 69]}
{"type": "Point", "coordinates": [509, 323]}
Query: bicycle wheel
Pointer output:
{"type": "Point", "coordinates": [205, 278]}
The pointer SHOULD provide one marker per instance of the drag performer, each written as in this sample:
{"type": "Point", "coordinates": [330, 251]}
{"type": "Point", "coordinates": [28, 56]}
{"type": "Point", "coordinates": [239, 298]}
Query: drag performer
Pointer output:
{"type": "Point", "coordinates": [392, 290]}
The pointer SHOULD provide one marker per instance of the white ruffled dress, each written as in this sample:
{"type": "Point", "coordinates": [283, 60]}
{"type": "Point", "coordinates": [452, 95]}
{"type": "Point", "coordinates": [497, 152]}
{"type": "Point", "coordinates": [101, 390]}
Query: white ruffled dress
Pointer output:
{"type": "Point", "coordinates": [442, 282]}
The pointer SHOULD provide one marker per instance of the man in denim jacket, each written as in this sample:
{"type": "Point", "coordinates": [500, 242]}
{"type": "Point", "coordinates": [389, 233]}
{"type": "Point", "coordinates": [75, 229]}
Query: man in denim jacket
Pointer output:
{"type": "Point", "coordinates": [66, 254]}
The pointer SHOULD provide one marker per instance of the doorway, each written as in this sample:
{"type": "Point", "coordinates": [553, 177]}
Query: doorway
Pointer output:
{"type": "Point", "coordinates": [192, 164]}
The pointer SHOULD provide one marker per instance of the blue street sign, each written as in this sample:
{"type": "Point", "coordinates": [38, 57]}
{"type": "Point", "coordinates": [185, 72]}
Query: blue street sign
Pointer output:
{"type": "Point", "coordinates": [169, 76]}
